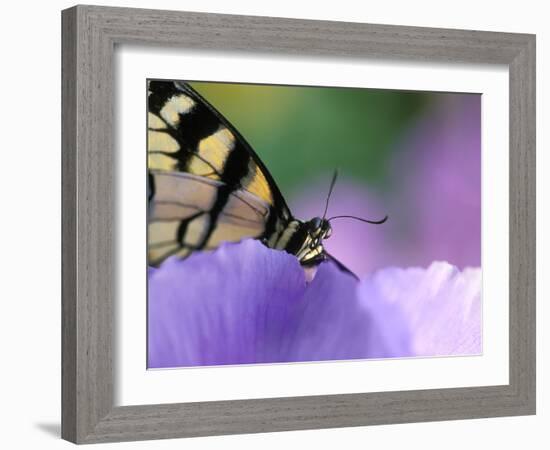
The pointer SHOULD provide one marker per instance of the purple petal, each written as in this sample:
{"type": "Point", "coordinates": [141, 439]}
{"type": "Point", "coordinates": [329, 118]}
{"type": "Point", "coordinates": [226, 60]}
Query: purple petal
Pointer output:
{"type": "Point", "coordinates": [442, 306]}
{"type": "Point", "coordinates": [245, 303]}
{"type": "Point", "coordinates": [230, 306]}
{"type": "Point", "coordinates": [337, 325]}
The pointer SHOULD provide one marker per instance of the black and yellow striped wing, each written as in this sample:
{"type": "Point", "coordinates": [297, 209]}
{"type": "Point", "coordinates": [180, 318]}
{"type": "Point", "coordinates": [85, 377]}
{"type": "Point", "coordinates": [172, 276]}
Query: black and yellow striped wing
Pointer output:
{"type": "Point", "coordinates": [205, 183]}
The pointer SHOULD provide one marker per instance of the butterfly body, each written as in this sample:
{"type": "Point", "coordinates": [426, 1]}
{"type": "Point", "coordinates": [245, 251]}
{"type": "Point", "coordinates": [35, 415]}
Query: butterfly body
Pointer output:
{"type": "Point", "coordinates": [206, 185]}
{"type": "Point", "coordinates": [303, 239]}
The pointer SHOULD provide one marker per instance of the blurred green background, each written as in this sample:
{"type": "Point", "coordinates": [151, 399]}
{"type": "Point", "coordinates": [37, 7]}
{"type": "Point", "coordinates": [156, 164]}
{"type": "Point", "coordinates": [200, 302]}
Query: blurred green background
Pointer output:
{"type": "Point", "coordinates": [302, 133]}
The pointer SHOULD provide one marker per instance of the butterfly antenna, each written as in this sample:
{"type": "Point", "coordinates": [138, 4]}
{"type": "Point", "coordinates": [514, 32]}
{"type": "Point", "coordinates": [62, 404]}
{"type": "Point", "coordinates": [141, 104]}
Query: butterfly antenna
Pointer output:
{"type": "Point", "coordinates": [332, 183]}
{"type": "Point", "coordinates": [374, 222]}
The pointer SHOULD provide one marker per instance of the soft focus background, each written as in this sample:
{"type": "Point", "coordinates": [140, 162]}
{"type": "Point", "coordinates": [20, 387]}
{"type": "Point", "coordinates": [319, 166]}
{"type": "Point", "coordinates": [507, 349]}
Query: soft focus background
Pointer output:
{"type": "Point", "coordinates": [415, 156]}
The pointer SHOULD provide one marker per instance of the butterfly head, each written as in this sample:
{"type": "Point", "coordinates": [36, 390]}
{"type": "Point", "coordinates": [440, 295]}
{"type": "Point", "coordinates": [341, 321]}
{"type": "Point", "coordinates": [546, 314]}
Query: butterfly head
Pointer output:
{"type": "Point", "coordinates": [318, 229]}
{"type": "Point", "coordinates": [311, 251]}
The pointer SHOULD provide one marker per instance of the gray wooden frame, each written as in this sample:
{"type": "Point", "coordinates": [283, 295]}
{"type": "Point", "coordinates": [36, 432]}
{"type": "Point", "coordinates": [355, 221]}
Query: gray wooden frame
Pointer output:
{"type": "Point", "coordinates": [90, 34]}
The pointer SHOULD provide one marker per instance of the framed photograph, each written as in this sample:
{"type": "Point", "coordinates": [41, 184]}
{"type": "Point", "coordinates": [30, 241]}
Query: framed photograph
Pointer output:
{"type": "Point", "coordinates": [278, 224]}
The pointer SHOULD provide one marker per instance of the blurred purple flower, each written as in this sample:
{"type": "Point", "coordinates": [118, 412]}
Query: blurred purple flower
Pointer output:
{"type": "Point", "coordinates": [433, 197]}
{"type": "Point", "coordinates": [440, 168]}
{"type": "Point", "coordinates": [442, 306]}
{"type": "Point", "coordinates": [245, 303]}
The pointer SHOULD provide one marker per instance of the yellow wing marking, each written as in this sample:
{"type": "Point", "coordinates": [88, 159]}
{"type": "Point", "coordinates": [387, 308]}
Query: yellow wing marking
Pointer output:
{"type": "Point", "coordinates": [159, 161]}
{"type": "Point", "coordinates": [160, 141]}
{"type": "Point", "coordinates": [200, 167]}
{"type": "Point", "coordinates": [216, 148]}
{"type": "Point", "coordinates": [256, 183]}
{"type": "Point", "coordinates": [154, 122]}
{"type": "Point", "coordinates": [176, 105]}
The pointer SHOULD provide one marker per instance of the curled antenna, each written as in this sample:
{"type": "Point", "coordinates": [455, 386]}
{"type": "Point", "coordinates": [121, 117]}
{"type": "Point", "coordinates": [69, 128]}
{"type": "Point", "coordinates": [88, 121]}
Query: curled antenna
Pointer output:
{"type": "Point", "coordinates": [332, 183]}
{"type": "Point", "coordinates": [374, 222]}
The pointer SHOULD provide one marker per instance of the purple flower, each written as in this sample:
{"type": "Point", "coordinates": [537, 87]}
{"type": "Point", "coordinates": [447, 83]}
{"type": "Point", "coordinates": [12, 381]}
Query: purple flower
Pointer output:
{"type": "Point", "coordinates": [244, 303]}
{"type": "Point", "coordinates": [442, 306]}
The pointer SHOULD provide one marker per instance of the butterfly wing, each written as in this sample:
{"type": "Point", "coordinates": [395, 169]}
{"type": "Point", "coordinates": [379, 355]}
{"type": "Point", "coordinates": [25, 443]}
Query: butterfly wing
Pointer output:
{"type": "Point", "coordinates": [181, 213]}
{"type": "Point", "coordinates": [206, 184]}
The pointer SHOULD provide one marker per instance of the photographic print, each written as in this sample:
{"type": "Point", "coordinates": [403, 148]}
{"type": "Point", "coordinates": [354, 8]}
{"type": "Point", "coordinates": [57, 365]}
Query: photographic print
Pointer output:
{"type": "Point", "coordinates": [292, 224]}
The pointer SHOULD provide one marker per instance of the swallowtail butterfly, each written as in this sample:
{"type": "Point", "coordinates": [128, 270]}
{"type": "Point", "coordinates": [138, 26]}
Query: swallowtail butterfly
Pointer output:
{"type": "Point", "coordinates": [206, 185]}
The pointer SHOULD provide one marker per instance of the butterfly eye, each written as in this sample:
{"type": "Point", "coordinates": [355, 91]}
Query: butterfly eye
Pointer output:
{"type": "Point", "coordinates": [328, 233]}
{"type": "Point", "coordinates": [316, 223]}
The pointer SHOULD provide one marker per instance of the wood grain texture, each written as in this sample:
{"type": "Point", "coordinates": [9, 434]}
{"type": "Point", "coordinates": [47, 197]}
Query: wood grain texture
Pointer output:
{"type": "Point", "coordinates": [88, 208]}
{"type": "Point", "coordinates": [89, 37]}
{"type": "Point", "coordinates": [68, 225]}
{"type": "Point", "coordinates": [522, 281]}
